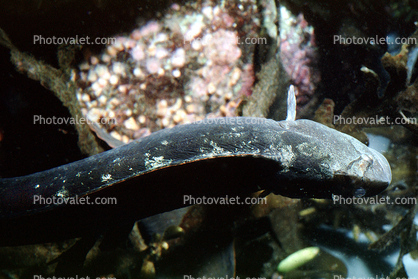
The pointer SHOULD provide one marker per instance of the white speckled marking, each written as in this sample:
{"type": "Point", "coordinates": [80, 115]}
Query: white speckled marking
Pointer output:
{"type": "Point", "coordinates": [156, 162]}
{"type": "Point", "coordinates": [106, 177]}
{"type": "Point", "coordinates": [218, 150]}
{"type": "Point", "coordinates": [305, 149]}
{"type": "Point", "coordinates": [286, 155]}
{"type": "Point", "coordinates": [62, 193]}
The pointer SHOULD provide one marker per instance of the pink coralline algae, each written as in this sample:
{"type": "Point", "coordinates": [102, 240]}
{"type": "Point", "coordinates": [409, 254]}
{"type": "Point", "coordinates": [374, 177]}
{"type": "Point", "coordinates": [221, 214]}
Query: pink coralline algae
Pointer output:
{"type": "Point", "coordinates": [222, 47]}
{"type": "Point", "coordinates": [183, 67]}
{"type": "Point", "coordinates": [299, 55]}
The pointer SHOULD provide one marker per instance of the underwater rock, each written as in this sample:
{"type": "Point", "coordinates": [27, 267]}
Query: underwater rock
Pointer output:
{"type": "Point", "coordinates": [194, 62]}
{"type": "Point", "coordinates": [299, 54]}
{"type": "Point", "coordinates": [340, 62]}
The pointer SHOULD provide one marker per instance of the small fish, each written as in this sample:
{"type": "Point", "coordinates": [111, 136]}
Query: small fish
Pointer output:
{"type": "Point", "coordinates": [212, 158]}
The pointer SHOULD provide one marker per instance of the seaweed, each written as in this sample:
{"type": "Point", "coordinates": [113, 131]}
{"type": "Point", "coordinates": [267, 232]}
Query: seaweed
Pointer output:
{"type": "Point", "coordinates": [60, 82]}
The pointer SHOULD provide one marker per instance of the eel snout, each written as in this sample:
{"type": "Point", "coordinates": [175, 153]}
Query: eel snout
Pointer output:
{"type": "Point", "coordinates": [380, 168]}
{"type": "Point", "coordinates": [371, 174]}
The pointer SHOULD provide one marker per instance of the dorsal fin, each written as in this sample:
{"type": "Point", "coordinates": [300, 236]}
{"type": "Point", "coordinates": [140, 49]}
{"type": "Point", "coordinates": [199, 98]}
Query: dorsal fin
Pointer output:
{"type": "Point", "coordinates": [291, 104]}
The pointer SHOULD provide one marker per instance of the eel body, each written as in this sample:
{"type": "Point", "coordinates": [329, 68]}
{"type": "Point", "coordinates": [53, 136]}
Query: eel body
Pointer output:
{"type": "Point", "coordinates": [212, 158]}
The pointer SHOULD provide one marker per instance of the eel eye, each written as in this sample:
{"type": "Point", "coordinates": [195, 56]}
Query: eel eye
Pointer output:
{"type": "Point", "coordinates": [367, 157]}
{"type": "Point", "coordinates": [366, 161]}
{"type": "Point", "coordinates": [362, 163]}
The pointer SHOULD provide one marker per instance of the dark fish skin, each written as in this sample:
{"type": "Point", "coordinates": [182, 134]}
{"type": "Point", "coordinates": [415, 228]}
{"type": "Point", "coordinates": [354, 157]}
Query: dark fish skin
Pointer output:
{"type": "Point", "coordinates": [214, 158]}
